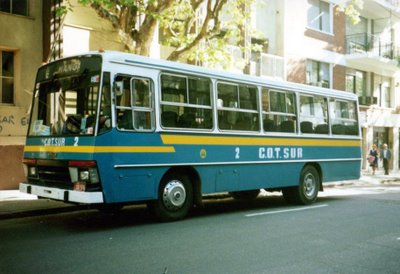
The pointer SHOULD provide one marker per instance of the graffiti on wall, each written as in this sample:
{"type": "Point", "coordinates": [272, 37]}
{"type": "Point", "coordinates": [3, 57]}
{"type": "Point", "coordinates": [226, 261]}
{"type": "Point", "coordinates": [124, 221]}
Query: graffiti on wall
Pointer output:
{"type": "Point", "coordinates": [13, 124]}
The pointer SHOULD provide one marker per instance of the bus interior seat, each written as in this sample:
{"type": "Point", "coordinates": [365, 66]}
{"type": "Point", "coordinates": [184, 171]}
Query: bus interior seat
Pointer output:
{"type": "Point", "coordinates": [338, 129]}
{"type": "Point", "coordinates": [244, 123]}
{"type": "Point", "coordinates": [231, 118]}
{"type": "Point", "coordinates": [269, 125]}
{"type": "Point", "coordinates": [352, 130]}
{"type": "Point", "coordinates": [322, 129]}
{"type": "Point", "coordinates": [169, 118]}
{"type": "Point", "coordinates": [187, 120]}
{"type": "Point", "coordinates": [227, 119]}
{"type": "Point", "coordinates": [222, 122]}
{"type": "Point", "coordinates": [306, 127]}
{"type": "Point", "coordinates": [126, 121]}
{"type": "Point", "coordinates": [287, 126]}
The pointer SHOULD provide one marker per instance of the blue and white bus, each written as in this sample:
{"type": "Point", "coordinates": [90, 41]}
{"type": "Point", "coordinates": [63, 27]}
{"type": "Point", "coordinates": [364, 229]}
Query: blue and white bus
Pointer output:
{"type": "Point", "coordinates": [111, 128]}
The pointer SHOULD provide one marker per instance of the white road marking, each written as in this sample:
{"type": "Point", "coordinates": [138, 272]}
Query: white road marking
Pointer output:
{"type": "Point", "coordinates": [285, 211]}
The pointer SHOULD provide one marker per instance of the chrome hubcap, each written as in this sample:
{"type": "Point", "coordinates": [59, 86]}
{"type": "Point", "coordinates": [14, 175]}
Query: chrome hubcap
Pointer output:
{"type": "Point", "coordinates": [309, 185]}
{"type": "Point", "coordinates": [174, 195]}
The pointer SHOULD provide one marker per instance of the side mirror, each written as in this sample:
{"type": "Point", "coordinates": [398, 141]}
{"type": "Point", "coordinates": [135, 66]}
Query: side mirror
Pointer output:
{"type": "Point", "coordinates": [118, 88]}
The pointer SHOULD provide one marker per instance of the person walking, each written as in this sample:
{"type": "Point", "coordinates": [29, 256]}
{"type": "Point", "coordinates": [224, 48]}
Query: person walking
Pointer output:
{"type": "Point", "coordinates": [373, 158]}
{"type": "Point", "coordinates": [385, 157]}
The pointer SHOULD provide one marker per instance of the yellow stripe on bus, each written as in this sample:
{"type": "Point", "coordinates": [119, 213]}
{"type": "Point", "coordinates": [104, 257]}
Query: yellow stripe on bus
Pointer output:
{"type": "Point", "coordinates": [251, 141]}
{"type": "Point", "coordinates": [101, 149]}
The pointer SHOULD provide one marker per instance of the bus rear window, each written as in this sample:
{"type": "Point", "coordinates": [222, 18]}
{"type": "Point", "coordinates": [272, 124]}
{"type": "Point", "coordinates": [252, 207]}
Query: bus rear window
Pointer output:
{"type": "Point", "coordinates": [343, 116]}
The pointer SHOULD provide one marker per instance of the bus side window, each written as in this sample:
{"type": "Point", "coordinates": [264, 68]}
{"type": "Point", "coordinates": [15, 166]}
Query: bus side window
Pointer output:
{"type": "Point", "coordinates": [268, 121]}
{"type": "Point", "coordinates": [185, 102]}
{"type": "Point", "coordinates": [313, 115]}
{"type": "Point", "coordinates": [237, 107]}
{"type": "Point", "coordinates": [279, 111]}
{"type": "Point", "coordinates": [134, 103]}
{"type": "Point", "coordinates": [344, 117]}
{"type": "Point", "coordinates": [123, 102]}
{"type": "Point", "coordinates": [142, 104]}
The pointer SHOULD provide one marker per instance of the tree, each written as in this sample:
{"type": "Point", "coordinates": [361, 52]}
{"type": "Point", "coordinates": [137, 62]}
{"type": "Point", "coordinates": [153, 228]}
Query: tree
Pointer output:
{"type": "Point", "coordinates": [193, 28]}
{"type": "Point", "coordinates": [352, 9]}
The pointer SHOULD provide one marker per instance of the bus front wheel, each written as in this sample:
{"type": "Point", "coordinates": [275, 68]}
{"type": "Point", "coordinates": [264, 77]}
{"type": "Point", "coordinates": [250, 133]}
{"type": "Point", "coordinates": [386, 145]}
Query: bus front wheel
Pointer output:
{"type": "Point", "coordinates": [307, 191]}
{"type": "Point", "coordinates": [175, 198]}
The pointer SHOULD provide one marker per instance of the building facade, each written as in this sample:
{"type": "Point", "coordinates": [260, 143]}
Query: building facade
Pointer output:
{"type": "Point", "coordinates": [20, 56]}
{"type": "Point", "coordinates": [323, 47]}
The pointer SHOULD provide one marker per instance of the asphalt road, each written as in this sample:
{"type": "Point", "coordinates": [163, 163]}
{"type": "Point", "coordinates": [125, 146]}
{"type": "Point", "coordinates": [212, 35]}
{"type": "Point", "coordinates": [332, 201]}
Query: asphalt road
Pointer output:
{"type": "Point", "coordinates": [348, 230]}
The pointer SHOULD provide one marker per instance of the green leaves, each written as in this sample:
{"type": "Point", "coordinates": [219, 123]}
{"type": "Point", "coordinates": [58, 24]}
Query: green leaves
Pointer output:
{"type": "Point", "coordinates": [197, 30]}
{"type": "Point", "coordinates": [352, 10]}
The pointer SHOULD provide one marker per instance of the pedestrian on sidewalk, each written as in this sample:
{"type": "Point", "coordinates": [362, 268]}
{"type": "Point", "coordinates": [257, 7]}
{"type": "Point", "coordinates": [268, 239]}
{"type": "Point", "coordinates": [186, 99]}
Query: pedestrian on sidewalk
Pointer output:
{"type": "Point", "coordinates": [373, 158]}
{"type": "Point", "coordinates": [385, 157]}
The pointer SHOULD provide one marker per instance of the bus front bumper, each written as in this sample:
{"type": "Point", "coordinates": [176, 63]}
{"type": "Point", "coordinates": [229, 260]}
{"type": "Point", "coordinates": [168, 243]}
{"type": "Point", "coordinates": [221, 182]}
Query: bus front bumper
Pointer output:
{"type": "Point", "coordinates": [70, 196]}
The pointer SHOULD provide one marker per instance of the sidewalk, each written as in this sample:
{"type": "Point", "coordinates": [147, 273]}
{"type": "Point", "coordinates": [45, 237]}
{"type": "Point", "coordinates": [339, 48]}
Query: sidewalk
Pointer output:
{"type": "Point", "coordinates": [14, 204]}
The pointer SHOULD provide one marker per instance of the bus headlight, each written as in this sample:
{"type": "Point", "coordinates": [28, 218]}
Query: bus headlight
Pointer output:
{"type": "Point", "coordinates": [32, 171]}
{"type": "Point", "coordinates": [31, 165]}
{"type": "Point", "coordinates": [89, 175]}
{"type": "Point", "coordinates": [84, 175]}
{"type": "Point", "coordinates": [84, 171]}
{"type": "Point", "coordinates": [93, 175]}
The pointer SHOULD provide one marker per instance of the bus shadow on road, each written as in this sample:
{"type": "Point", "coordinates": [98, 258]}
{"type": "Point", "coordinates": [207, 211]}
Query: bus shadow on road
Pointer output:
{"type": "Point", "coordinates": [229, 205]}
{"type": "Point", "coordinates": [139, 215]}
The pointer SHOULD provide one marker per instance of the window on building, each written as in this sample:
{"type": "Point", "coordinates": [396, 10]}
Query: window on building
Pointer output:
{"type": "Point", "coordinates": [19, 7]}
{"type": "Point", "coordinates": [318, 74]}
{"type": "Point", "coordinates": [385, 96]}
{"type": "Point", "coordinates": [356, 82]}
{"type": "Point", "coordinates": [6, 77]}
{"type": "Point", "coordinates": [319, 15]}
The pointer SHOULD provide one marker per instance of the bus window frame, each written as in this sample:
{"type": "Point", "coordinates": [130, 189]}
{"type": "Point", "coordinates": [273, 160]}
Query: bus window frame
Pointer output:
{"type": "Point", "coordinates": [238, 109]}
{"type": "Point", "coordinates": [104, 85]}
{"type": "Point", "coordinates": [332, 117]}
{"type": "Point", "coordinates": [132, 108]}
{"type": "Point", "coordinates": [161, 103]}
{"type": "Point", "coordinates": [294, 116]}
{"type": "Point", "coordinates": [326, 123]}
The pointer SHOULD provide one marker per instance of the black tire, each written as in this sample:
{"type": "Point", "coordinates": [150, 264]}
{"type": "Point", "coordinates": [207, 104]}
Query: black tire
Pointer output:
{"type": "Point", "coordinates": [246, 195]}
{"type": "Point", "coordinates": [175, 198]}
{"type": "Point", "coordinates": [307, 191]}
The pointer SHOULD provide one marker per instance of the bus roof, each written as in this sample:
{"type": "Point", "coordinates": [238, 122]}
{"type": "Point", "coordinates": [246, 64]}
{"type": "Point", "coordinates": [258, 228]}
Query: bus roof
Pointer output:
{"type": "Point", "coordinates": [165, 65]}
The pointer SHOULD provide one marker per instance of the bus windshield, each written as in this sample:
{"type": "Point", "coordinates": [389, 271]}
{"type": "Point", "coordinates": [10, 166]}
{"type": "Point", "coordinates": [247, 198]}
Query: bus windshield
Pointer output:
{"type": "Point", "coordinates": [65, 97]}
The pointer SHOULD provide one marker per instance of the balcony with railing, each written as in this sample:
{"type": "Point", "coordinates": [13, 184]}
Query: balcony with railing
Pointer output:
{"type": "Point", "coordinates": [371, 44]}
{"type": "Point", "coordinates": [261, 64]}
{"type": "Point", "coordinates": [268, 65]}
{"type": "Point", "coordinates": [372, 51]}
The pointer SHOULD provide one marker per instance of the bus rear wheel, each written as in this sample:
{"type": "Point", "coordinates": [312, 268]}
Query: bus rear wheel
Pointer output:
{"type": "Point", "coordinates": [175, 198]}
{"type": "Point", "coordinates": [307, 191]}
